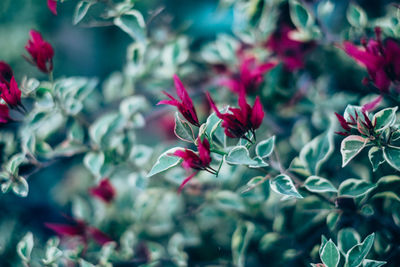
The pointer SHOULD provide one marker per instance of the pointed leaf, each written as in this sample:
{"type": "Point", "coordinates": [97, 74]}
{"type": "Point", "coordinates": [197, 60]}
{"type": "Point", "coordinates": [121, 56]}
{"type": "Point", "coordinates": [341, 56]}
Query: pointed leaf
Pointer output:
{"type": "Point", "coordinates": [392, 156]}
{"type": "Point", "coordinates": [376, 158]}
{"type": "Point", "coordinates": [350, 147]}
{"type": "Point", "coordinates": [266, 147]}
{"type": "Point", "coordinates": [240, 156]}
{"type": "Point", "coordinates": [347, 238]}
{"type": "Point", "coordinates": [357, 254]}
{"type": "Point", "coordinates": [132, 23]}
{"type": "Point", "coordinates": [282, 184]}
{"type": "Point", "coordinates": [330, 255]}
{"type": "Point", "coordinates": [183, 130]}
{"type": "Point", "coordinates": [384, 119]}
{"type": "Point", "coordinates": [80, 11]}
{"type": "Point", "coordinates": [165, 162]}
{"type": "Point", "coordinates": [355, 187]}
{"type": "Point", "coordinates": [319, 184]}
{"type": "Point", "coordinates": [25, 246]}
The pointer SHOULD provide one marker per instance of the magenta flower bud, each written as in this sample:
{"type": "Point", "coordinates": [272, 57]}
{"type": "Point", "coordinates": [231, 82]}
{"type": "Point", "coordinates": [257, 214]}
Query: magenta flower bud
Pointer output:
{"type": "Point", "coordinates": [4, 114]}
{"type": "Point", "coordinates": [104, 191]}
{"type": "Point", "coordinates": [10, 93]}
{"type": "Point", "coordinates": [41, 52]}
{"type": "Point", "coordinates": [52, 5]}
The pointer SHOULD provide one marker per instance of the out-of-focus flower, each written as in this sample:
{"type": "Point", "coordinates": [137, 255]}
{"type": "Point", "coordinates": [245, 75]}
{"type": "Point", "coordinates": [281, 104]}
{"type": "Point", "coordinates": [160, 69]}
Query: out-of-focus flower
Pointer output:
{"type": "Point", "coordinates": [196, 161]}
{"type": "Point", "coordinates": [104, 191]}
{"type": "Point", "coordinates": [10, 93]}
{"type": "Point", "coordinates": [4, 114]}
{"type": "Point", "coordinates": [52, 5]}
{"type": "Point", "coordinates": [291, 52]}
{"type": "Point", "coordinates": [6, 72]}
{"type": "Point", "coordinates": [381, 59]}
{"type": "Point", "coordinates": [250, 76]}
{"type": "Point", "coordinates": [41, 52]}
{"type": "Point", "coordinates": [185, 107]}
{"type": "Point", "coordinates": [80, 230]}
{"type": "Point", "coordinates": [240, 120]}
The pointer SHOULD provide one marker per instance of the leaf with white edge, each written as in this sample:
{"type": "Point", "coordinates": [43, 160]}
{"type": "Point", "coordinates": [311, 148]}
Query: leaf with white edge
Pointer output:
{"type": "Point", "coordinates": [254, 182]}
{"type": "Point", "coordinates": [376, 158]}
{"type": "Point", "coordinates": [183, 130]}
{"type": "Point", "coordinates": [80, 11]}
{"type": "Point", "coordinates": [316, 152]}
{"type": "Point", "coordinates": [324, 240]}
{"type": "Point", "coordinates": [392, 156]}
{"type": "Point", "coordinates": [13, 164]}
{"type": "Point", "coordinates": [132, 23]}
{"type": "Point", "coordinates": [260, 163]}
{"type": "Point", "coordinates": [350, 147]}
{"type": "Point", "coordinates": [319, 185]}
{"type": "Point", "coordinates": [373, 263]}
{"type": "Point", "coordinates": [356, 16]}
{"type": "Point", "coordinates": [330, 255]}
{"type": "Point", "coordinates": [347, 238]}
{"type": "Point", "coordinates": [355, 187]}
{"type": "Point", "coordinates": [384, 119]}
{"type": "Point", "coordinates": [300, 16]}
{"type": "Point", "coordinates": [25, 246]}
{"type": "Point", "coordinates": [165, 161]}
{"type": "Point", "coordinates": [282, 184]}
{"type": "Point", "coordinates": [83, 263]}
{"type": "Point", "coordinates": [240, 241]}
{"type": "Point", "coordinates": [265, 148]}
{"type": "Point", "coordinates": [228, 200]}
{"type": "Point", "coordinates": [352, 112]}
{"type": "Point", "coordinates": [94, 161]}
{"type": "Point", "coordinates": [212, 124]}
{"type": "Point", "coordinates": [240, 156]}
{"type": "Point", "coordinates": [357, 254]}
{"type": "Point", "coordinates": [20, 186]}
{"type": "Point", "coordinates": [132, 105]}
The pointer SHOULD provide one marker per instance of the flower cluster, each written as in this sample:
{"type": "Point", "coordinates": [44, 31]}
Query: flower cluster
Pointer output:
{"type": "Point", "coordinates": [9, 91]}
{"type": "Point", "coordinates": [380, 58]}
{"type": "Point", "coordinates": [240, 120]}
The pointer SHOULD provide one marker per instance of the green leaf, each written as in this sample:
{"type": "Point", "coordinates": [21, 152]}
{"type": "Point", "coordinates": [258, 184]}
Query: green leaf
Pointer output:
{"type": "Point", "coordinates": [140, 154]}
{"type": "Point", "coordinates": [240, 241]}
{"type": "Point", "coordinates": [347, 238]}
{"type": "Point", "coordinates": [25, 246]}
{"type": "Point", "coordinates": [323, 243]}
{"type": "Point", "coordinates": [165, 162]}
{"type": "Point", "coordinates": [83, 263]}
{"type": "Point", "coordinates": [373, 263]}
{"type": "Point", "coordinates": [265, 148]}
{"type": "Point", "coordinates": [330, 255]}
{"type": "Point", "coordinates": [300, 16]}
{"type": "Point", "coordinates": [80, 11]}
{"type": "Point", "coordinates": [355, 187]}
{"type": "Point", "coordinates": [375, 156]}
{"type": "Point", "coordinates": [20, 186]}
{"type": "Point", "coordinates": [316, 152]}
{"type": "Point", "coordinates": [228, 200]}
{"type": "Point", "coordinates": [132, 23]}
{"type": "Point", "coordinates": [212, 124]}
{"type": "Point", "coordinates": [240, 155]}
{"type": "Point", "coordinates": [94, 161]}
{"type": "Point", "coordinates": [350, 147]}
{"type": "Point", "coordinates": [357, 254]}
{"type": "Point", "coordinates": [132, 105]}
{"type": "Point", "coordinates": [319, 184]}
{"type": "Point", "coordinates": [14, 163]}
{"type": "Point", "coordinates": [384, 119]}
{"type": "Point", "coordinates": [183, 130]}
{"type": "Point", "coordinates": [260, 163]}
{"type": "Point", "coordinates": [392, 156]}
{"type": "Point", "coordinates": [254, 182]}
{"type": "Point", "coordinates": [282, 184]}
{"type": "Point", "coordinates": [356, 16]}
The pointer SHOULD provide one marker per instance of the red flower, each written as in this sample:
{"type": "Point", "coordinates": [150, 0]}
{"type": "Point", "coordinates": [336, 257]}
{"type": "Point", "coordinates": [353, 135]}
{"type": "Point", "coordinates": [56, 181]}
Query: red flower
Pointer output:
{"type": "Point", "coordinates": [104, 191]}
{"type": "Point", "coordinates": [5, 72]}
{"type": "Point", "coordinates": [11, 93]}
{"type": "Point", "coordinates": [196, 161]}
{"type": "Point", "coordinates": [240, 120]}
{"type": "Point", "coordinates": [52, 5]}
{"type": "Point", "coordinates": [381, 59]}
{"type": "Point", "coordinates": [363, 125]}
{"type": "Point", "coordinates": [80, 230]}
{"type": "Point", "coordinates": [250, 76]}
{"type": "Point", "coordinates": [185, 107]}
{"type": "Point", "coordinates": [291, 52]}
{"type": "Point", "coordinates": [41, 52]}
{"type": "Point", "coordinates": [4, 114]}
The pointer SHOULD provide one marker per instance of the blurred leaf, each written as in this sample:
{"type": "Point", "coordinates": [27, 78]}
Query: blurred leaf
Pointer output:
{"type": "Point", "coordinates": [355, 187]}
{"type": "Point", "coordinates": [347, 238]}
{"type": "Point", "coordinates": [132, 23]}
{"type": "Point", "coordinates": [240, 240]}
{"type": "Point", "coordinates": [14, 163]}
{"type": "Point", "coordinates": [373, 263]}
{"type": "Point", "coordinates": [80, 11]}
{"type": "Point", "coordinates": [20, 186]}
{"type": "Point", "coordinates": [356, 16]}
{"type": "Point", "coordinates": [330, 255]}
{"type": "Point", "coordinates": [25, 246]}
{"type": "Point", "coordinates": [228, 200]}
{"type": "Point", "coordinates": [319, 184]}
{"type": "Point", "coordinates": [299, 14]}
{"type": "Point", "coordinates": [282, 184]}
{"type": "Point", "coordinates": [94, 161]}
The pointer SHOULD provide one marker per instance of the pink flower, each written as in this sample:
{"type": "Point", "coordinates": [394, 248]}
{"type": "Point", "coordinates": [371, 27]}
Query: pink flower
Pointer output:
{"type": "Point", "coordinates": [104, 191]}
{"type": "Point", "coordinates": [185, 107]}
{"type": "Point", "coordinates": [41, 52]}
{"type": "Point", "coordinates": [196, 161]}
{"type": "Point", "coordinates": [363, 125]}
{"type": "Point", "coordinates": [52, 5]}
{"type": "Point", "coordinates": [250, 76]}
{"type": "Point", "coordinates": [4, 114]}
{"type": "Point", "coordinates": [240, 120]}
{"type": "Point", "coordinates": [5, 72]}
{"type": "Point", "coordinates": [11, 93]}
{"type": "Point", "coordinates": [381, 59]}
{"type": "Point", "coordinates": [291, 52]}
{"type": "Point", "coordinates": [81, 230]}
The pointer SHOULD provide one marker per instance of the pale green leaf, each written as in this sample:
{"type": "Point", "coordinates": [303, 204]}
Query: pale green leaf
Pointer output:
{"type": "Point", "coordinates": [330, 255]}
{"type": "Point", "coordinates": [282, 184]}
{"type": "Point", "coordinates": [240, 155]}
{"type": "Point", "coordinates": [355, 187]}
{"type": "Point", "coordinates": [165, 162]}
{"type": "Point", "coordinates": [350, 147]}
{"type": "Point", "coordinates": [319, 184]}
